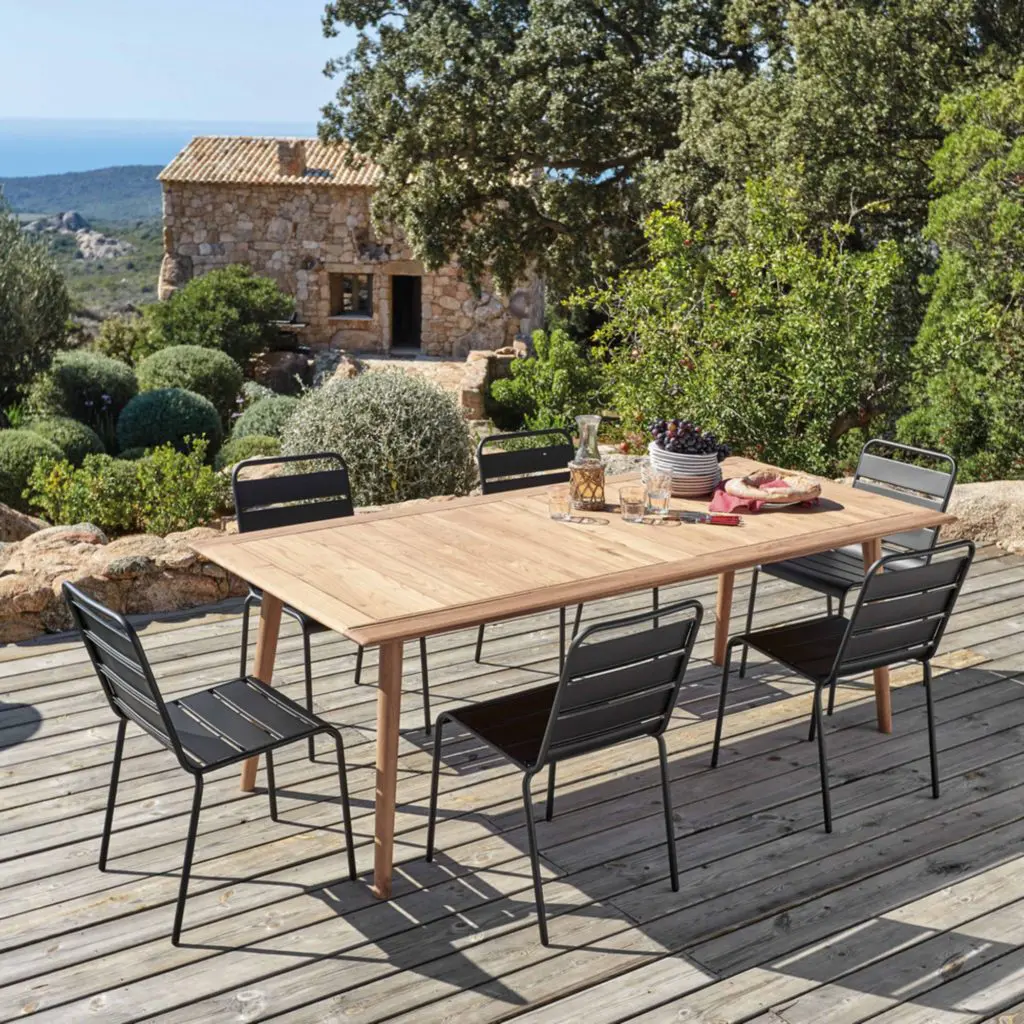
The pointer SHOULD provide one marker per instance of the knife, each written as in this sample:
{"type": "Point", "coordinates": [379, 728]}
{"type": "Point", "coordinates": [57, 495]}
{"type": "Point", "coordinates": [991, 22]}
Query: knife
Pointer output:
{"type": "Point", "coordinates": [710, 518]}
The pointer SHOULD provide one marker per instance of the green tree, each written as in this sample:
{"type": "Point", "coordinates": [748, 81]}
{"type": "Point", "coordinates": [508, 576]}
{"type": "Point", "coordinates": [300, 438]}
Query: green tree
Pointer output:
{"type": "Point", "coordinates": [783, 346]}
{"type": "Point", "coordinates": [970, 354]}
{"type": "Point", "coordinates": [34, 307]}
{"type": "Point", "coordinates": [231, 309]}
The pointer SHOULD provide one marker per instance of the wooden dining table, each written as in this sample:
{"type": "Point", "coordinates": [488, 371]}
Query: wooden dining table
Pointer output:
{"type": "Point", "coordinates": [421, 569]}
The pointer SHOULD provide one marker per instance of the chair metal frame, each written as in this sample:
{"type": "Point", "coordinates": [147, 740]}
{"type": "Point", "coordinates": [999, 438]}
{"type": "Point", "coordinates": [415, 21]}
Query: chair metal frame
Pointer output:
{"type": "Point", "coordinates": [900, 615]}
{"type": "Point", "coordinates": [874, 473]}
{"type": "Point", "coordinates": [233, 709]}
{"type": "Point", "coordinates": [624, 674]}
{"type": "Point", "coordinates": [316, 495]}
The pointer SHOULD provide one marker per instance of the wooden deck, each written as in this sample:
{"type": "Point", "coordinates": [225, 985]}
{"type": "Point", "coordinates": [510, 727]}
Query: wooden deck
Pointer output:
{"type": "Point", "coordinates": [911, 911]}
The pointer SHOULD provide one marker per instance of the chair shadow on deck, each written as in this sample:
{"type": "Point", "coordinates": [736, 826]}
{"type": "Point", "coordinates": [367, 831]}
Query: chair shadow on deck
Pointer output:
{"type": "Point", "coordinates": [18, 723]}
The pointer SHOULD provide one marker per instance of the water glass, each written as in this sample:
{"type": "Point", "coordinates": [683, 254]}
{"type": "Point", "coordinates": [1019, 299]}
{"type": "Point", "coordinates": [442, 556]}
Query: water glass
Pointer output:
{"type": "Point", "coordinates": [659, 490]}
{"type": "Point", "coordinates": [558, 504]}
{"type": "Point", "coordinates": [633, 500]}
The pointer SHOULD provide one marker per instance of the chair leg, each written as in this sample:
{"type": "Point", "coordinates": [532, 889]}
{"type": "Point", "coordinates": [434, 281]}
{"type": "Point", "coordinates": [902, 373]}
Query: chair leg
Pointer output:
{"type": "Point", "coordinates": [655, 601]}
{"type": "Point", "coordinates": [307, 662]}
{"type": "Point", "coordinates": [549, 810]}
{"type": "Point", "coordinates": [832, 695]}
{"type": "Point", "coordinates": [576, 621]}
{"type": "Point", "coordinates": [531, 835]}
{"type": "Point", "coordinates": [359, 664]}
{"type": "Point", "coordinates": [246, 608]}
{"type": "Point", "coordinates": [750, 619]}
{"type": "Point", "coordinates": [115, 774]}
{"type": "Point", "coordinates": [271, 786]}
{"type": "Point", "coordinates": [666, 799]}
{"type": "Point", "coordinates": [828, 606]}
{"type": "Point", "coordinates": [561, 638]}
{"type": "Point", "coordinates": [932, 751]}
{"type": "Point", "coordinates": [435, 772]}
{"type": "Point", "coordinates": [826, 800]}
{"type": "Point", "coordinates": [346, 809]}
{"type": "Point", "coordinates": [186, 868]}
{"type": "Point", "coordinates": [425, 683]}
{"type": "Point", "coordinates": [721, 699]}
{"type": "Point", "coordinates": [479, 644]}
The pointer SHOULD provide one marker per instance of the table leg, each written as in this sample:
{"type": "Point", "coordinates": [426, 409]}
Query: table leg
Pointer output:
{"type": "Point", "coordinates": [883, 701]}
{"type": "Point", "coordinates": [389, 708]}
{"type": "Point", "coordinates": [723, 612]}
{"type": "Point", "coordinates": [263, 670]}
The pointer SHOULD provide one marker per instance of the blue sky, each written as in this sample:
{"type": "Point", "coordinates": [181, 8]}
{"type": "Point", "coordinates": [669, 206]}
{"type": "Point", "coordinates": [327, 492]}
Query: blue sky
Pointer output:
{"type": "Point", "coordinates": [181, 60]}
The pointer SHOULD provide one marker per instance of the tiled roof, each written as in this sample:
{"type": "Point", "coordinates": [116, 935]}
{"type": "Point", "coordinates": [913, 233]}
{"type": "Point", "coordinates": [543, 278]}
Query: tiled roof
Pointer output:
{"type": "Point", "coordinates": [252, 160]}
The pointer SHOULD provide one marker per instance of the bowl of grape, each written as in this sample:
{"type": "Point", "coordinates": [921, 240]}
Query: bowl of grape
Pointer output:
{"type": "Point", "coordinates": [689, 454]}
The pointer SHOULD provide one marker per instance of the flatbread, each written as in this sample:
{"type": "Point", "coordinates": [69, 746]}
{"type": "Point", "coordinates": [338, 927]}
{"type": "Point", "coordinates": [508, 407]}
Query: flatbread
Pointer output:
{"type": "Point", "coordinates": [766, 485]}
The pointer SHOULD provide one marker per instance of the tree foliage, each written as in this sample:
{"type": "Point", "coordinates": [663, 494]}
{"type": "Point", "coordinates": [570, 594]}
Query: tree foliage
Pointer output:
{"type": "Point", "coordinates": [34, 307]}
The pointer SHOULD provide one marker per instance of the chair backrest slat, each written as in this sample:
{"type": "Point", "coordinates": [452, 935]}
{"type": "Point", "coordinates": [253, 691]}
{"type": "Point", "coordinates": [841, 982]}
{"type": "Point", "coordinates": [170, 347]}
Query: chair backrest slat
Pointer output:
{"type": "Point", "coordinates": [926, 486]}
{"type": "Point", "coordinates": [289, 499]}
{"type": "Point", "coordinates": [620, 680]}
{"type": "Point", "coordinates": [901, 613]}
{"type": "Point", "coordinates": [525, 467]}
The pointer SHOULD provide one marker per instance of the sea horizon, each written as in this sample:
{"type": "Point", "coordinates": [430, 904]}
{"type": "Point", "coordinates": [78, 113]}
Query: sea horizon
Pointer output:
{"type": "Point", "coordinates": [36, 146]}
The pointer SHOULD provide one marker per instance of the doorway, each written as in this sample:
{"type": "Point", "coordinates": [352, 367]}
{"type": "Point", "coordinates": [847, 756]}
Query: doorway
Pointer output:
{"type": "Point", "coordinates": [406, 311]}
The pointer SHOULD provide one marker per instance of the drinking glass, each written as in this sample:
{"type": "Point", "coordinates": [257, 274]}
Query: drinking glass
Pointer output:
{"type": "Point", "coordinates": [633, 499]}
{"type": "Point", "coordinates": [659, 490]}
{"type": "Point", "coordinates": [558, 504]}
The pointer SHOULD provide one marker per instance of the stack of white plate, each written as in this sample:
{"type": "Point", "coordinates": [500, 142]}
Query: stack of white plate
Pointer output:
{"type": "Point", "coordinates": [693, 476]}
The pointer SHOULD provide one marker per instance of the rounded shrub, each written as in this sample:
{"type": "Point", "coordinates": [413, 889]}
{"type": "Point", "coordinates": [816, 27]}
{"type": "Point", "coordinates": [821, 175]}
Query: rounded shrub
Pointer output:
{"type": "Point", "coordinates": [131, 454]}
{"type": "Point", "coordinates": [205, 371]}
{"type": "Point", "coordinates": [168, 416]}
{"type": "Point", "coordinates": [20, 450]}
{"type": "Point", "coordinates": [402, 436]}
{"type": "Point", "coordinates": [74, 439]}
{"type": "Point", "coordinates": [267, 417]}
{"type": "Point", "coordinates": [86, 386]}
{"type": "Point", "coordinates": [248, 447]}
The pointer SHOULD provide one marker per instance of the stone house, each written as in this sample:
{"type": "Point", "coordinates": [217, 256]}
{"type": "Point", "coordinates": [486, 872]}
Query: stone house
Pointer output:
{"type": "Point", "coordinates": [298, 210]}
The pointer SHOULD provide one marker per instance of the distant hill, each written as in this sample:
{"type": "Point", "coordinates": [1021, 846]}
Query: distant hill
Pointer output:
{"type": "Point", "coordinates": [113, 194]}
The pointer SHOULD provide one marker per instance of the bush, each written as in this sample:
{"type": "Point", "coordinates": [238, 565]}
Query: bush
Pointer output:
{"type": "Point", "coordinates": [166, 491]}
{"type": "Point", "coordinates": [267, 417]}
{"type": "Point", "coordinates": [20, 450]}
{"type": "Point", "coordinates": [34, 307]}
{"type": "Point", "coordinates": [551, 389]}
{"type": "Point", "coordinates": [248, 447]}
{"type": "Point", "coordinates": [230, 309]}
{"type": "Point", "coordinates": [402, 436]}
{"type": "Point", "coordinates": [168, 416]}
{"type": "Point", "coordinates": [128, 338]}
{"type": "Point", "coordinates": [86, 386]}
{"type": "Point", "coordinates": [74, 439]}
{"type": "Point", "coordinates": [206, 372]}
{"type": "Point", "coordinates": [253, 392]}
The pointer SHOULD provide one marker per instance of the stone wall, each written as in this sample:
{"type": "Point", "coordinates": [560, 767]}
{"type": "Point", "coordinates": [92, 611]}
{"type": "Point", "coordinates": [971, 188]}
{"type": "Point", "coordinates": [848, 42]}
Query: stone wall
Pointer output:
{"type": "Point", "coordinates": [301, 234]}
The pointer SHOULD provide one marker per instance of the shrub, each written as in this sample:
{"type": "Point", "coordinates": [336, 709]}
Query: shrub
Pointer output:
{"type": "Point", "coordinates": [231, 309]}
{"type": "Point", "coordinates": [20, 450]}
{"type": "Point", "coordinates": [205, 371]}
{"type": "Point", "coordinates": [166, 491]}
{"type": "Point", "coordinates": [267, 417]}
{"type": "Point", "coordinates": [551, 389]}
{"type": "Point", "coordinates": [86, 386]}
{"type": "Point", "coordinates": [128, 338]}
{"type": "Point", "coordinates": [131, 454]}
{"type": "Point", "coordinates": [402, 436]}
{"type": "Point", "coordinates": [34, 307]}
{"type": "Point", "coordinates": [248, 447]}
{"type": "Point", "coordinates": [253, 392]}
{"type": "Point", "coordinates": [74, 439]}
{"type": "Point", "coordinates": [168, 416]}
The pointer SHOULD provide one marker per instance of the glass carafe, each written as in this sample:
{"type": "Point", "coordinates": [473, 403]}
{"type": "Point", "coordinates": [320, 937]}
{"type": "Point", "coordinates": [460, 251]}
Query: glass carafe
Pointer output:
{"type": "Point", "coordinates": [586, 471]}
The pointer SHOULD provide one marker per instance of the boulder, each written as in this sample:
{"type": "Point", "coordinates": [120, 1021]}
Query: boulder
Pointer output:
{"type": "Point", "coordinates": [287, 373]}
{"type": "Point", "coordinates": [989, 513]}
{"type": "Point", "coordinates": [175, 271]}
{"type": "Point", "coordinates": [348, 367]}
{"type": "Point", "coordinates": [16, 525]}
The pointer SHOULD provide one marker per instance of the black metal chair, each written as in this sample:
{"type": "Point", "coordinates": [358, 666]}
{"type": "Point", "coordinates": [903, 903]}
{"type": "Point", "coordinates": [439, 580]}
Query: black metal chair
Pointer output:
{"type": "Point", "coordinates": [287, 500]}
{"type": "Point", "coordinates": [838, 572]}
{"type": "Point", "coordinates": [900, 615]}
{"type": "Point", "coordinates": [502, 470]}
{"type": "Point", "coordinates": [205, 731]}
{"type": "Point", "coordinates": [612, 688]}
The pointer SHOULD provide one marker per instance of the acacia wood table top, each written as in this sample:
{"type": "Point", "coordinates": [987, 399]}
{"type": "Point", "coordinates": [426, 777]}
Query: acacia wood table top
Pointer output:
{"type": "Point", "coordinates": [417, 570]}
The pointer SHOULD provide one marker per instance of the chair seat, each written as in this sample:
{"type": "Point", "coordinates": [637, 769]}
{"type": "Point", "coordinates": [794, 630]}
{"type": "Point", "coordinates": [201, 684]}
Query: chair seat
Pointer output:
{"type": "Point", "coordinates": [807, 647]}
{"type": "Point", "coordinates": [835, 572]}
{"type": "Point", "coordinates": [308, 624]}
{"type": "Point", "coordinates": [513, 725]}
{"type": "Point", "coordinates": [236, 719]}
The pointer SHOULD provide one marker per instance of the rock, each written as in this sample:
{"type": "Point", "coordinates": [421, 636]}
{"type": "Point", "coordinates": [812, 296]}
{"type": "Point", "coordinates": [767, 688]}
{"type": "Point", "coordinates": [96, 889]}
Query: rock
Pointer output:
{"type": "Point", "coordinates": [73, 221]}
{"type": "Point", "coordinates": [989, 513]}
{"type": "Point", "coordinates": [348, 367]}
{"type": "Point", "coordinates": [287, 373]}
{"type": "Point", "coordinates": [16, 525]}
{"type": "Point", "coordinates": [175, 271]}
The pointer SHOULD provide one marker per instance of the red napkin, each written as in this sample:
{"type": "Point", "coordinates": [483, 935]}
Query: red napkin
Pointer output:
{"type": "Point", "coordinates": [722, 501]}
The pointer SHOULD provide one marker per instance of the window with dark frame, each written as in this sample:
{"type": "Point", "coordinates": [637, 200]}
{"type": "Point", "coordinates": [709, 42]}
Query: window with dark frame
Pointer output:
{"type": "Point", "coordinates": [351, 294]}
